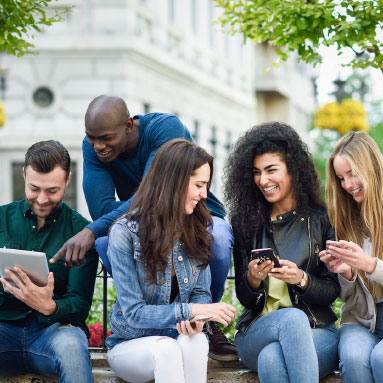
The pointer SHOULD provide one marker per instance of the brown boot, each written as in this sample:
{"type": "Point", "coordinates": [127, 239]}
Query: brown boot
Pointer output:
{"type": "Point", "coordinates": [219, 347]}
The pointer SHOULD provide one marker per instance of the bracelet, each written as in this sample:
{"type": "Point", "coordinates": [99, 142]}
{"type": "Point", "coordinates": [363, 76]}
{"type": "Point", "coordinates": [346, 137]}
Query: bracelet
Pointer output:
{"type": "Point", "coordinates": [182, 312]}
{"type": "Point", "coordinates": [303, 281]}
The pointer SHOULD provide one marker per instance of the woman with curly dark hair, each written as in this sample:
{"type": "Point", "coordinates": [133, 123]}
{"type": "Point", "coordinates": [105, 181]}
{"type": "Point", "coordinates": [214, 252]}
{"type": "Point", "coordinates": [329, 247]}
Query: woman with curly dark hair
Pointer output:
{"type": "Point", "coordinates": [286, 332]}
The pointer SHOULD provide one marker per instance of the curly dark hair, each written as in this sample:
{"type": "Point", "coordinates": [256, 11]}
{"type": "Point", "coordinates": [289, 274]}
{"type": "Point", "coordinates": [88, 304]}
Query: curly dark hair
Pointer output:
{"type": "Point", "coordinates": [248, 208]}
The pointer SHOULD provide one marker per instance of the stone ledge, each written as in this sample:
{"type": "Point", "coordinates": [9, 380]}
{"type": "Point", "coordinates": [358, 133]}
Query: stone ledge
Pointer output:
{"type": "Point", "coordinates": [218, 372]}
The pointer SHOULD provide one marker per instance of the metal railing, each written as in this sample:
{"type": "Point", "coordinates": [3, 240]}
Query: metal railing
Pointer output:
{"type": "Point", "coordinates": [105, 276]}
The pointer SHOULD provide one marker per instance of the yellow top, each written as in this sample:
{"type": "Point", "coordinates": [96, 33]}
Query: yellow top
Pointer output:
{"type": "Point", "coordinates": [278, 296]}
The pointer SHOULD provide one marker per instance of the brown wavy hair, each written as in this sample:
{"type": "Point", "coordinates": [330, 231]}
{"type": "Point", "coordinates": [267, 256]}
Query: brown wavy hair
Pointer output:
{"type": "Point", "coordinates": [159, 207]}
{"type": "Point", "coordinates": [347, 217]}
{"type": "Point", "coordinates": [44, 156]}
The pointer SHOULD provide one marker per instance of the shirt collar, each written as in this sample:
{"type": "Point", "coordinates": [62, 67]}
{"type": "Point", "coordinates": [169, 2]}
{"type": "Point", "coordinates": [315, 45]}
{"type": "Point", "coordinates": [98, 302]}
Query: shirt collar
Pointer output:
{"type": "Point", "coordinates": [28, 213]}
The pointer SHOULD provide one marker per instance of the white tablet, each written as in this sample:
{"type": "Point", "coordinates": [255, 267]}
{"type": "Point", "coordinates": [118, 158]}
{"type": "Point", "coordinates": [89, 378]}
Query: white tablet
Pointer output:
{"type": "Point", "coordinates": [33, 263]}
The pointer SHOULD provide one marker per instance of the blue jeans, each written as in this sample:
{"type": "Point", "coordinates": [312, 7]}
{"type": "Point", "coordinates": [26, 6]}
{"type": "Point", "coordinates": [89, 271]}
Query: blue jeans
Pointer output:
{"type": "Point", "coordinates": [219, 266]}
{"type": "Point", "coordinates": [361, 352]}
{"type": "Point", "coordinates": [282, 347]}
{"type": "Point", "coordinates": [55, 350]}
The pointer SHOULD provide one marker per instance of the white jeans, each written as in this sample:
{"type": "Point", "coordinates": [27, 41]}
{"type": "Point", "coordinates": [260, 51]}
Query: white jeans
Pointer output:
{"type": "Point", "coordinates": [167, 360]}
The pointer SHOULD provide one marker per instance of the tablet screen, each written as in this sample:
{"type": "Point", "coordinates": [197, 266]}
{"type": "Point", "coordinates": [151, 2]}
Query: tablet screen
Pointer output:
{"type": "Point", "coordinates": [34, 263]}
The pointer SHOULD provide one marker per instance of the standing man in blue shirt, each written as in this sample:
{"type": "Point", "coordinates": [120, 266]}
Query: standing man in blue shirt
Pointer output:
{"type": "Point", "coordinates": [117, 151]}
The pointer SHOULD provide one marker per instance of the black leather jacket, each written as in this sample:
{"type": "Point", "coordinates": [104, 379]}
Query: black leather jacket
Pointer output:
{"type": "Point", "coordinates": [308, 237]}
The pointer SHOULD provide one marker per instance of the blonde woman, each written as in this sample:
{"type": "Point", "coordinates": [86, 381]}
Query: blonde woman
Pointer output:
{"type": "Point", "coordinates": [355, 202]}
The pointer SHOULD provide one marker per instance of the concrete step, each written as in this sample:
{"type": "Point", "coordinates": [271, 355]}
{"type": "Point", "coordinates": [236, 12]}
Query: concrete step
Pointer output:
{"type": "Point", "coordinates": [218, 372]}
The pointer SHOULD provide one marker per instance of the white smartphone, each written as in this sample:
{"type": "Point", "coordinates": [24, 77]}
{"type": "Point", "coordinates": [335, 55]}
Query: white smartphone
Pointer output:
{"type": "Point", "coordinates": [333, 243]}
{"type": "Point", "coordinates": [203, 318]}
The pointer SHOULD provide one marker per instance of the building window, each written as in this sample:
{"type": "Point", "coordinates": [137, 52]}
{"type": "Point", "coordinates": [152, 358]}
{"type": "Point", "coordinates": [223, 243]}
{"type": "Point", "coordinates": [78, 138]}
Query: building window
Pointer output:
{"type": "Point", "coordinates": [228, 141]}
{"type": "Point", "coordinates": [146, 108]}
{"type": "Point", "coordinates": [196, 132]}
{"type": "Point", "coordinates": [211, 29]}
{"type": "Point", "coordinates": [18, 184]}
{"type": "Point", "coordinates": [43, 97]}
{"type": "Point", "coordinates": [171, 13]}
{"type": "Point", "coordinates": [213, 141]}
{"type": "Point", "coordinates": [194, 16]}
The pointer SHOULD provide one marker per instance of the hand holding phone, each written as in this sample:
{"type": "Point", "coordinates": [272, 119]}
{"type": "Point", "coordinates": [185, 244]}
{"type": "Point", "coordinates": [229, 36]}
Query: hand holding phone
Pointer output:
{"type": "Point", "coordinates": [265, 255]}
{"type": "Point", "coordinates": [201, 318]}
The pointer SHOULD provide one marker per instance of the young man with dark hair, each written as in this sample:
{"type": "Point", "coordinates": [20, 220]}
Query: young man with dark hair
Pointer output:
{"type": "Point", "coordinates": [42, 329]}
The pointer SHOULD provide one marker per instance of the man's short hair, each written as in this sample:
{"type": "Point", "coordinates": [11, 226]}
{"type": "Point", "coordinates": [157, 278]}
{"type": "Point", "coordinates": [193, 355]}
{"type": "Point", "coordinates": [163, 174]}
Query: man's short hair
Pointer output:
{"type": "Point", "coordinates": [44, 156]}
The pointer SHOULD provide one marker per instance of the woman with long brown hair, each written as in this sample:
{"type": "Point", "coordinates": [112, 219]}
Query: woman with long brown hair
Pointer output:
{"type": "Point", "coordinates": [159, 252]}
{"type": "Point", "coordinates": [355, 202]}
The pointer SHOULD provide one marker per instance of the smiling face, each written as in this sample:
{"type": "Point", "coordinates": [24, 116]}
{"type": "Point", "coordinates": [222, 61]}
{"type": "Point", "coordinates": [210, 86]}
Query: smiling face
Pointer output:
{"type": "Point", "coordinates": [349, 182]}
{"type": "Point", "coordinates": [274, 181]}
{"type": "Point", "coordinates": [197, 188]}
{"type": "Point", "coordinates": [108, 136]}
{"type": "Point", "coordinates": [44, 192]}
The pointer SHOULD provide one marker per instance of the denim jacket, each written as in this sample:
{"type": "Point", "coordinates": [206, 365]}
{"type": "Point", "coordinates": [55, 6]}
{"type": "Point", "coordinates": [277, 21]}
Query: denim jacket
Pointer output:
{"type": "Point", "coordinates": [142, 308]}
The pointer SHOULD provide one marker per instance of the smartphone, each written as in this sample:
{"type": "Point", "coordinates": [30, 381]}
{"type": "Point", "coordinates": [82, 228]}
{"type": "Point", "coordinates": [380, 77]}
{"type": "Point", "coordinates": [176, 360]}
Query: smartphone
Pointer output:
{"type": "Point", "coordinates": [265, 255]}
{"type": "Point", "coordinates": [203, 318]}
{"type": "Point", "coordinates": [333, 243]}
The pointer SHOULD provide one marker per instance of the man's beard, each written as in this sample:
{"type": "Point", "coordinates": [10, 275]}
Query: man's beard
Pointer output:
{"type": "Point", "coordinates": [46, 212]}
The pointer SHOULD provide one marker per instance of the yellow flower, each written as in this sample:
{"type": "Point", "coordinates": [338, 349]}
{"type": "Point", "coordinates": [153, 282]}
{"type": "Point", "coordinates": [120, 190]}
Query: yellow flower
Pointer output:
{"type": "Point", "coordinates": [327, 117]}
{"type": "Point", "coordinates": [349, 115]}
{"type": "Point", "coordinates": [3, 117]}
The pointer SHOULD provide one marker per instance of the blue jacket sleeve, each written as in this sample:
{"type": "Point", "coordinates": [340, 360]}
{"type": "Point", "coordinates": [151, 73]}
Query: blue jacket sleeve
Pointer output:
{"type": "Point", "coordinates": [166, 129]}
{"type": "Point", "coordinates": [101, 226]}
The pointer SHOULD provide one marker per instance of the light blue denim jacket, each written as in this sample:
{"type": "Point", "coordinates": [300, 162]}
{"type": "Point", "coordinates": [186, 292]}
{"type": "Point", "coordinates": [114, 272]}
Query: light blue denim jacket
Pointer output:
{"type": "Point", "coordinates": [141, 308]}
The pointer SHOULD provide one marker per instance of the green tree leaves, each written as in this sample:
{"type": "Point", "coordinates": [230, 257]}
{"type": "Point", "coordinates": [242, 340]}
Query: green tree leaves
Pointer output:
{"type": "Point", "coordinates": [304, 25]}
{"type": "Point", "coordinates": [19, 19]}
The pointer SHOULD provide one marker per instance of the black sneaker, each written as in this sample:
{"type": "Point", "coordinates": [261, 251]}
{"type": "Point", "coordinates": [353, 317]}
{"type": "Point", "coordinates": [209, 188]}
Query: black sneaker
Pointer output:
{"type": "Point", "coordinates": [219, 347]}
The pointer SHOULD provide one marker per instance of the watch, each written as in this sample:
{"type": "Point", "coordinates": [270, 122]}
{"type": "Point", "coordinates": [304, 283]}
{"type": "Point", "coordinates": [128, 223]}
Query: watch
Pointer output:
{"type": "Point", "coordinates": [303, 281]}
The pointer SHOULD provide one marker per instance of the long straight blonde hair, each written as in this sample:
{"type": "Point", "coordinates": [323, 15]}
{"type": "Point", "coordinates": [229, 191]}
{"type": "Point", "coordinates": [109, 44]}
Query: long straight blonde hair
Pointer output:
{"type": "Point", "coordinates": [348, 218]}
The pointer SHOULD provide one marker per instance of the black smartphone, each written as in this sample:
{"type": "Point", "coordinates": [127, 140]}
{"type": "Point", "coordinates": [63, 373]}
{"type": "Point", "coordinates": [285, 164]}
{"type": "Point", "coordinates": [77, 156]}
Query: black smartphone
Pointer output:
{"type": "Point", "coordinates": [265, 255]}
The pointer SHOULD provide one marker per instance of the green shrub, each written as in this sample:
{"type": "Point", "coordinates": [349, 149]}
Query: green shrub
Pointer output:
{"type": "Point", "coordinates": [96, 311]}
{"type": "Point", "coordinates": [230, 297]}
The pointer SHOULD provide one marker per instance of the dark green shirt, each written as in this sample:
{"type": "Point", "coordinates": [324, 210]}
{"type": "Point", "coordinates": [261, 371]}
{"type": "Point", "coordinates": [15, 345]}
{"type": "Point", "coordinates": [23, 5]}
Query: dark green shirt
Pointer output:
{"type": "Point", "coordinates": [73, 287]}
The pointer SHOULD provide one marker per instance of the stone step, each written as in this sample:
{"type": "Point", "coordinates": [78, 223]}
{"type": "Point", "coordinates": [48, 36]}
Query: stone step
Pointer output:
{"type": "Point", "coordinates": [218, 372]}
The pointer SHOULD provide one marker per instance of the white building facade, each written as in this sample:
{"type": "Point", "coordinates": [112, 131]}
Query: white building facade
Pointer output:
{"type": "Point", "coordinates": [160, 56]}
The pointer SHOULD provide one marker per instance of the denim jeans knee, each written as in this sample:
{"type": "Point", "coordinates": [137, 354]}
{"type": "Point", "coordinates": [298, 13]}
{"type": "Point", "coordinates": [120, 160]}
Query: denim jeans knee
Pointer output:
{"type": "Point", "coordinates": [220, 265]}
{"type": "Point", "coordinates": [377, 362]}
{"type": "Point", "coordinates": [289, 328]}
{"type": "Point", "coordinates": [101, 247]}
{"type": "Point", "coordinates": [355, 346]}
{"type": "Point", "coordinates": [54, 350]}
{"type": "Point", "coordinates": [68, 348]}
